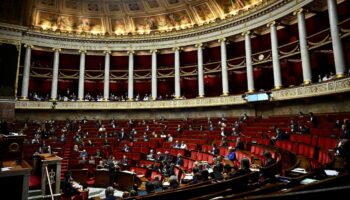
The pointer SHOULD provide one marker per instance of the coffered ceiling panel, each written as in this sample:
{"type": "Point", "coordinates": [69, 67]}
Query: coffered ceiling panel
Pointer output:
{"type": "Point", "coordinates": [123, 17]}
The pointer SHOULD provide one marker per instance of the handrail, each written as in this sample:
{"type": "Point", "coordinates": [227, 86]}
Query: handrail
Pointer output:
{"type": "Point", "coordinates": [48, 180]}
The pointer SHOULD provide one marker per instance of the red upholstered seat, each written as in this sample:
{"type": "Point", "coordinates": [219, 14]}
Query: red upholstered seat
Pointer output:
{"type": "Point", "coordinates": [139, 170]}
{"type": "Point", "coordinates": [34, 182]}
{"type": "Point", "coordinates": [155, 174]}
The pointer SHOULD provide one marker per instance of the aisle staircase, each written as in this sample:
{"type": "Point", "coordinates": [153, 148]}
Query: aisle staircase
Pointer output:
{"type": "Point", "coordinates": [66, 154]}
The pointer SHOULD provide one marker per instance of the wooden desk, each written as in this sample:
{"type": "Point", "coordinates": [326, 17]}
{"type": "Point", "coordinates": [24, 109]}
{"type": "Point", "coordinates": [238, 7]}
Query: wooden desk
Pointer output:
{"type": "Point", "coordinates": [126, 180]}
{"type": "Point", "coordinates": [14, 182]}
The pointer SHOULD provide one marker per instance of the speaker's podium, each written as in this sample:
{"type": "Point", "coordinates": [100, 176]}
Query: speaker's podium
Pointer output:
{"type": "Point", "coordinates": [50, 175]}
{"type": "Point", "coordinates": [15, 172]}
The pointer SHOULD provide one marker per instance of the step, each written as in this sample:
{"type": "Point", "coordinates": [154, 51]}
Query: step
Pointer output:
{"type": "Point", "coordinates": [34, 192]}
{"type": "Point", "coordinates": [37, 197]}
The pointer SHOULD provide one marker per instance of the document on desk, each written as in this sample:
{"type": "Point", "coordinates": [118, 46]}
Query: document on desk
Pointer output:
{"type": "Point", "coordinates": [331, 172]}
{"type": "Point", "coordinates": [299, 170]}
{"type": "Point", "coordinates": [5, 169]}
{"type": "Point", "coordinates": [307, 181]}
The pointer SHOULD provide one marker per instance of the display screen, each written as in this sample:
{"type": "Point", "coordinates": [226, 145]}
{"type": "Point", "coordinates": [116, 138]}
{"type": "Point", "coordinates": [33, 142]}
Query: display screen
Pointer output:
{"type": "Point", "coordinates": [257, 97]}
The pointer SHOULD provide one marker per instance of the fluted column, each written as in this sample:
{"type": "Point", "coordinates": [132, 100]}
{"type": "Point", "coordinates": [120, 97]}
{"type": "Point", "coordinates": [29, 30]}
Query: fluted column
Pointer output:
{"type": "Point", "coordinates": [275, 57]}
{"type": "Point", "coordinates": [338, 52]}
{"type": "Point", "coordinates": [248, 60]}
{"type": "Point", "coordinates": [26, 72]}
{"type": "Point", "coordinates": [225, 88]}
{"type": "Point", "coordinates": [305, 59]}
{"type": "Point", "coordinates": [106, 77]}
{"type": "Point", "coordinates": [154, 74]}
{"type": "Point", "coordinates": [177, 72]}
{"type": "Point", "coordinates": [56, 60]}
{"type": "Point", "coordinates": [200, 70]}
{"type": "Point", "coordinates": [81, 75]}
{"type": "Point", "coordinates": [131, 76]}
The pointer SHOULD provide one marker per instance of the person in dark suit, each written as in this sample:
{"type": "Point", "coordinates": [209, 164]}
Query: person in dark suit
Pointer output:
{"type": "Point", "coordinates": [109, 192]}
{"type": "Point", "coordinates": [239, 144]}
{"type": "Point", "coordinates": [179, 160]}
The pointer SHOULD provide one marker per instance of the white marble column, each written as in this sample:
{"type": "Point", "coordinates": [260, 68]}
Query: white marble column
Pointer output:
{"type": "Point", "coordinates": [249, 62]}
{"type": "Point", "coordinates": [225, 88]}
{"type": "Point", "coordinates": [177, 72]}
{"type": "Point", "coordinates": [56, 61]}
{"type": "Point", "coordinates": [81, 75]}
{"type": "Point", "coordinates": [338, 52]}
{"type": "Point", "coordinates": [275, 57]}
{"type": "Point", "coordinates": [131, 76]}
{"type": "Point", "coordinates": [106, 77]}
{"type": "Point", "coordinates": [305, 59]}
{"type": "Point", "coordinates": [154, 74]}
{"type": "Point", "coordinates": [200, 70]}
{"type": "Point", "coordinates": [26, 72]}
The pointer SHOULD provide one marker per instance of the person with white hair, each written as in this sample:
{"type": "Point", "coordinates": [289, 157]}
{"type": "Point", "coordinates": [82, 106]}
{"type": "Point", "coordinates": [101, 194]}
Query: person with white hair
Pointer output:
{"type": "Point", "coordinates": [150, 155]}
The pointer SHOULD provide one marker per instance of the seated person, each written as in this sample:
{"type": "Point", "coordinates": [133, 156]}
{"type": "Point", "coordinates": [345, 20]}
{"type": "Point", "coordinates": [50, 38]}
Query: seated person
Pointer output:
{"type": "Point", "coordinates": [150, 155]}
{"type": "Point", "coordinates": [89, 143]}
{"type": "Point", "coordinates": [232, 154]}
{"type": "Point", "coordinates": [83, 155]}
{"type": "Point", "coordinates": [214, 150]}
{"type": "Point", "coordinates": [150, 187]}
{"type": "Point", "coordinates": [109, 192]}
{"type": "Point", "coordinates": [179, 160]}
{"type": "Point", "coordinates": [145, 137]}
{"type": "Point", "coordinates": [70, 187]}
{"type": "Point", "coordinates": [244, 167]}
{"type": "Point", "coordinates": [98, 153]}
{"type": "Point", "coordinates": [216, 174]}
{"type": "Point", "coordinates": [267, 163]}
{"type": "Point", "coordinates": [126, 148]}
{"type": "Point", "coordinates": [173, 182]}
{"type": "Point", "coordinates": [177, 145]}
{"type": "Point", "coordinates": [183, 145]}
{"type": "Point", "coordinates": [124, 160]}
{"type": "Point", "coordinates": [239, 144]}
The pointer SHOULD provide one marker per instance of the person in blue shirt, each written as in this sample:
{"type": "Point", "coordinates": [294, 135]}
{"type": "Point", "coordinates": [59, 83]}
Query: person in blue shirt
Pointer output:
{"type": "Point", "coordinates": [232, 154]}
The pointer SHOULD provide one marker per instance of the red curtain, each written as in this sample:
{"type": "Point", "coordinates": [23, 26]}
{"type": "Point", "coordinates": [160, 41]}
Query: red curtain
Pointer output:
{"type": "Point", "coordinates": [166, 60]}
{"type": "Point", "coordinates": [191, 87]}
{"type": "Point", "coordinates": [119, 62]}
{"type": "Point", "coordinates": [142, 87]}
{"type": "Point", "coordinates": [142, 61]}
{"type": "Point", "coordinates": [212, 85]}
{"type": "Point", "coordinates": [91, 87]}
{"type": "Point", "coordinates": [188, 58]}
{"type": "Point", "coordinates": [69, 61]}
{"type": "Point", "coordinates": [63, 85]}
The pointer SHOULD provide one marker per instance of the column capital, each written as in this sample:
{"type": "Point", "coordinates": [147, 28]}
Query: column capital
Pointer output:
{"type": "Point", "coordinates": [221, 39]}
{"type": "Point", "coordinates": [153, 51]}
{"type": "Point", "coordinates": [199, 45]}
{"type": "Point", "coordinates": [300, 10]}
{"type": "Point", "coordinates": [270, 24]}
{"type": "Point", "coordinates": [82, 51]}
{"type": "Point", "coordinates": [28, 45]}
{"type": "Point", "coordinates": [176, 48]}
{"type": "Point", "coordinates": [130, 52]}
{"type": "Point", "coordinates": [56, 49]}
{"type": "Point", "coordinates": [246, 33]}
{"type": "Point", "coordinates": [107, 52]}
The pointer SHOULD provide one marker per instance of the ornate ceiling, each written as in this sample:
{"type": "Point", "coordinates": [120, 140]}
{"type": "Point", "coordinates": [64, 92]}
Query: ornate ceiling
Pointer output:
{"type": "Point", "coordinates": [123, 17]}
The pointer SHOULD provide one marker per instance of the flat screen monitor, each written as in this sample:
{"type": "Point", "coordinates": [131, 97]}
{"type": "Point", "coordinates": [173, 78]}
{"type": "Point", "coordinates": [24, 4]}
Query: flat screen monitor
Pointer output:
{"type": "Point", "coordinates": [257, 97]}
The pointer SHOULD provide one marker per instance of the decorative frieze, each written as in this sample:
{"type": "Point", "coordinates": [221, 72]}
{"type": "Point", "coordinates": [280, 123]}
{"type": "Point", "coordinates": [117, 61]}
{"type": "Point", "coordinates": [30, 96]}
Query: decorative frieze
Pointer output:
{"type": "Point", "coordinates": [313, 90]}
